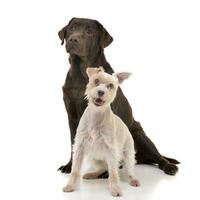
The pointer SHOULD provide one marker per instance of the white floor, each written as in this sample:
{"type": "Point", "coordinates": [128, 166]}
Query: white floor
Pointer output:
{"type": "Point", "coordinates": [154, 185]}
{"type": "Point", "coordinates": [44, 182]}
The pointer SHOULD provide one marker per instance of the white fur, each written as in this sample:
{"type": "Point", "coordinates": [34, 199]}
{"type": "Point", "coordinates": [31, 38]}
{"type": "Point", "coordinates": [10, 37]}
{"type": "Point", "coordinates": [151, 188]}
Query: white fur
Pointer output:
{"type": "Point", "coordinates": [103, 137]}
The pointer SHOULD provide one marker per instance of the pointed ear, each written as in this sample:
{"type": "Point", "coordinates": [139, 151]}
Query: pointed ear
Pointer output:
{"type": "Point", "coordinates": [91, 71]}
{"type": "Point", "coordinates": [62, 33]}
{"type": "Point", "coordinates": [122, 76]}
{"type": "Point", "coordinates": [105, 38]}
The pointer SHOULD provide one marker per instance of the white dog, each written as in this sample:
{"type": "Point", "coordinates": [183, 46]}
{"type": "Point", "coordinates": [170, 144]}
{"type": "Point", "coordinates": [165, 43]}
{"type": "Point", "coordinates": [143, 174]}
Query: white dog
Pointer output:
{"type": "Point", "coordinates": [101, 135]}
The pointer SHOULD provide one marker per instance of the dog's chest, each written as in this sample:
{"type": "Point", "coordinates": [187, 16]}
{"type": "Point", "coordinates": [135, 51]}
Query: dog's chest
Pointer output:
{"type": "Point", "coordinates": [97, 145]}
{"type": "Point", "coordinates": [74, 89]}
{"type": "Point", "coordinates": [73, 94]}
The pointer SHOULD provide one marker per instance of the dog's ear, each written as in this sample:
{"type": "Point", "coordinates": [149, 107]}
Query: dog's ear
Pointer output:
{"type": "Point", "coordinates": [62, 33]}
{"type": "Point", "coordinates": [122, 76]}
{"type": "Point", "coordinates": [105, 38]}
{"type": "Point", "coordinates": [91, 71]}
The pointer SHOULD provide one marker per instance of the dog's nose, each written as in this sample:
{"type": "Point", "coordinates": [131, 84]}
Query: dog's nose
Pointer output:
{"type": "Point", "coordinates": [100, 93]}
{"type": "Point", "coordinates": [74, 39]}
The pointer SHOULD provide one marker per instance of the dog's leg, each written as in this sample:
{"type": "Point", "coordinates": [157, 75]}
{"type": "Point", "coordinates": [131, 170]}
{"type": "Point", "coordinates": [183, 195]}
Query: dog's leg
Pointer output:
{"type": "Point", "coordinates": [73, 124]}
{"type": "Point", "coordinates": [147, 151]}
{"type": "Point", "coordinates": [114, 181]}
{"type": "Point", "coordinates": [112, 162]}
{"type": "Point", "coordinates": [76, 167]}
{"type": "Point", "coordinates": [129, 163]}
{"type": "Point", "coordinates": [101, 168]}
{"type": "Point", "coordinates": [66, 168]}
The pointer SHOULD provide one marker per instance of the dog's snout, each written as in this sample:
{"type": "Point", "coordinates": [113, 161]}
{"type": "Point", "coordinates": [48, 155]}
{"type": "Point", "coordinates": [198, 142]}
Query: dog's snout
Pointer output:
{"type": "Point", "coordinates": [100, 93]}
{"type": "Point", "coordinates": [74, 39]}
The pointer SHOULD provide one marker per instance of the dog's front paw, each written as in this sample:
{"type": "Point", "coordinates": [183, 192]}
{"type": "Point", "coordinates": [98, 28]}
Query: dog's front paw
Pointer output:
{"type": "Point", "coordinates": [68, 188]}
{"type": "Point", "coordinates": [66, 168]}
{"type": "Point", "coordinates": [135, 183]}
{"type": "Point", "coordinates": [115, 191]}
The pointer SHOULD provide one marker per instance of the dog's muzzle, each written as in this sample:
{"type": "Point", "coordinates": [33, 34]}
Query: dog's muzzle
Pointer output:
{"type": "Point", "coordinates": [98, 101]}
{"type": "Point", "coordinates": [73, 43]}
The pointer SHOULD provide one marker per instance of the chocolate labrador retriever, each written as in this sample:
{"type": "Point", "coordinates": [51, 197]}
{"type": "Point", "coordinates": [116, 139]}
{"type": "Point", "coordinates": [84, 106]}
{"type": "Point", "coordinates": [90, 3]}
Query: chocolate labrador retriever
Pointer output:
{"type": "Point", "coordinates": [85, 40]}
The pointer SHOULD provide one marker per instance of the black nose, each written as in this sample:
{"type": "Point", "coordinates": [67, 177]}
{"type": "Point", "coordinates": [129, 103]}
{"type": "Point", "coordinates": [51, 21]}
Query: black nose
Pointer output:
{"type": "Point", "coordinates": [74, 39]}
{"type": "Point", "coordinates": [100, 93]}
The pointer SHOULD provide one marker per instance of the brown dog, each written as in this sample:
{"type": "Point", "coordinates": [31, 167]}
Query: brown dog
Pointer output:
{"type": "Point", "coordinates": [85, 40]}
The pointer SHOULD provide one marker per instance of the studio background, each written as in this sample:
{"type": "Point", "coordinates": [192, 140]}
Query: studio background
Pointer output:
{"type": "Point", "coordinates": [158, 41]}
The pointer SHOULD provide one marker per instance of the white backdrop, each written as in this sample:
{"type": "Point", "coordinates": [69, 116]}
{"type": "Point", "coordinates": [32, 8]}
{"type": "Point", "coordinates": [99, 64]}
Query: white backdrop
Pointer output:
{"type": "Point", "coordinates": [158, 41]}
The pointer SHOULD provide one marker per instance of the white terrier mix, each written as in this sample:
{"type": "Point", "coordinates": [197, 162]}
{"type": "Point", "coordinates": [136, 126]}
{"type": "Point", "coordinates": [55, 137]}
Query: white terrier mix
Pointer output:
{"type": "Point", "coordinates": [102, 135]}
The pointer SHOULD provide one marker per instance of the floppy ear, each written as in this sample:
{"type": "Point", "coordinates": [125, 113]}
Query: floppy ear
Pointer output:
{"type": "Point", "coordinates": [62, 33]}
{"type": "Point", "coordinates": [106, 39]}
{"type": "Point", "coordinates": [91, 71]}
{"type": "Point", "coordinates": [122, 76]}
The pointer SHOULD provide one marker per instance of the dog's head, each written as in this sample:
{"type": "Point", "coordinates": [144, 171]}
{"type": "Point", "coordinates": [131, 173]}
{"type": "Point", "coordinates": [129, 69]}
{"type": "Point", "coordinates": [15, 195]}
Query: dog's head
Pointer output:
{"type": "Point", "coordinates": [102, 87]}
{"type": "Point", "coordinates": [84, 36]}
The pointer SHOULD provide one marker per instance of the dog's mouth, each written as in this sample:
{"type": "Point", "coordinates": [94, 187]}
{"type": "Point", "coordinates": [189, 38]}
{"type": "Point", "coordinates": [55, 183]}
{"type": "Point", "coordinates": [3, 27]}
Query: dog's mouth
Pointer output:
{"type": "Point", "coordinates": [98, 101]}
{"type": "Point", "coordinates": [74, 49]}
{"type": "Point", "coordinates": [71, 49]}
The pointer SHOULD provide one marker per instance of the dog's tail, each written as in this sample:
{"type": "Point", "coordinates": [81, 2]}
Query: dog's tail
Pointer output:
{"type": "Point", "coordinates": [171, 160]}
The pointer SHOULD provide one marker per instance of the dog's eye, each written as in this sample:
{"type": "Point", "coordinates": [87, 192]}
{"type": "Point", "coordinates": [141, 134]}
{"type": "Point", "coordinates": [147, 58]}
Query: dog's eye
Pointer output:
{"type": "Point", "coordinates": [110, 86]}
{"type": "Point", "coordinates": [71, 28]}
{"type": "Point", "coordinates": [96, 81]}
{"type": "Point", "coordinates": [89, 31]}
